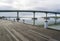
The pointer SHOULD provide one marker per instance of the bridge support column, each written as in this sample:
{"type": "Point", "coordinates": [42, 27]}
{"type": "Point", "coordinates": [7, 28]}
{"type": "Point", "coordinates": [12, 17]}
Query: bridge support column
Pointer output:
{"type": "Point", "coordinates": [46, 22]}
{"type": "Point", "coordinates": [17, 17]}
{"type": "Point", "coordinates": [33, 18]}
{"type": "Point", "coordinates": [55, 18]}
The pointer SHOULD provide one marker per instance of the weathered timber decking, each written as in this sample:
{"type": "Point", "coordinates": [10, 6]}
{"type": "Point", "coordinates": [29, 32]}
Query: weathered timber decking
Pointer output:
{"type": "Point", "coordinates": [14, 31]}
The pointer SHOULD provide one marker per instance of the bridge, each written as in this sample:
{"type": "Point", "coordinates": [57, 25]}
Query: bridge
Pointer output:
{"type": "Point", "coordinates": [16, 31]}
{"type": "Point", "coordinates": [33, 11]}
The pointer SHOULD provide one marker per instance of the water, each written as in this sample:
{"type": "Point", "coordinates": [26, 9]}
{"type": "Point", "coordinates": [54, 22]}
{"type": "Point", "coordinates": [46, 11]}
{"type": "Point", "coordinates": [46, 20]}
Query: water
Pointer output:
{"type": "Point", "coordinates": [57, 27]}
{"type": "Point", "coordinates": [37, 22]}
{"type": "Point", "coordinates": [40, 21]}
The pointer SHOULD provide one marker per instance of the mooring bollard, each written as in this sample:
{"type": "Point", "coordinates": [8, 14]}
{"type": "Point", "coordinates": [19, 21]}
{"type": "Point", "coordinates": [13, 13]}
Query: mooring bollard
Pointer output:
{"type": "Point", "coordinates": [46, 24]}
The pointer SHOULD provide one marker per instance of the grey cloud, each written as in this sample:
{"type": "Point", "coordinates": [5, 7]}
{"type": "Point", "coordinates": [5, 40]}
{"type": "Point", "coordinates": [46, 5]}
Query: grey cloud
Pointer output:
{"type": "Point", "coordinates": [50, 6]}
{"type": "Point", "coordinates": [6, 13]}
{"type": "Point", "coordinates": [6, 8]}
{"type": "Point", "coordinates": [7, 1]}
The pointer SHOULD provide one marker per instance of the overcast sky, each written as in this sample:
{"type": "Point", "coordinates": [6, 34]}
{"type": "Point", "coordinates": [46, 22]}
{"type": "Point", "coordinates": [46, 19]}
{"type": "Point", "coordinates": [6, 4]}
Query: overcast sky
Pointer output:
{"type": "Point", "coordinates": [30, 4]}
{"type": "Point", "coordinates": [51, 5]}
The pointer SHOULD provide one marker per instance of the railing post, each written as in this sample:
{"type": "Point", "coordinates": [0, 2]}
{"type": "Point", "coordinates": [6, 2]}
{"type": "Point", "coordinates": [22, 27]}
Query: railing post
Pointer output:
{"type": "Point", "coordinates": [23, 21]}
{"type": "Point", "coordinates": [33, 18]}
{"type": "Point", "coordinates": [6, 18]}
{"type": "Point", "coordinates": [14, 20]}
{"type": "Point", "coordinates": [18, 17]}
{"type": "Point", "coordinates": [9, 18]}
{"type": "Point", "coordinates": [55, 18]}
{"type": "Point", "coordinates": [46, 22]}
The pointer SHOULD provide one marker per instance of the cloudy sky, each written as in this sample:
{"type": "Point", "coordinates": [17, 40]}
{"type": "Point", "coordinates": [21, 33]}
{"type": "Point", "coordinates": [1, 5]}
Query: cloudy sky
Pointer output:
{"type": "Point", "coordinates": [51, 5]}
{"type": "Point", "coordinates": [30, 4]}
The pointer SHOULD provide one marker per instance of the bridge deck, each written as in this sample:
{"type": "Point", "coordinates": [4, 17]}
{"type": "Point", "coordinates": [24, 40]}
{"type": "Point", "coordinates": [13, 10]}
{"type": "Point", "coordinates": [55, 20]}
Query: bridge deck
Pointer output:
{"type": "Point", "coordinates": [14, 31]}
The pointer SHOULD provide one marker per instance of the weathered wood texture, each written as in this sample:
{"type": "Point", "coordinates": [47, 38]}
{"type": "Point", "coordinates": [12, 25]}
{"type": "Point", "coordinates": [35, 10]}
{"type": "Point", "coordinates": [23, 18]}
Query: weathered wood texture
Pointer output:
{"type": "Point", "coordinates": [14, 31]}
